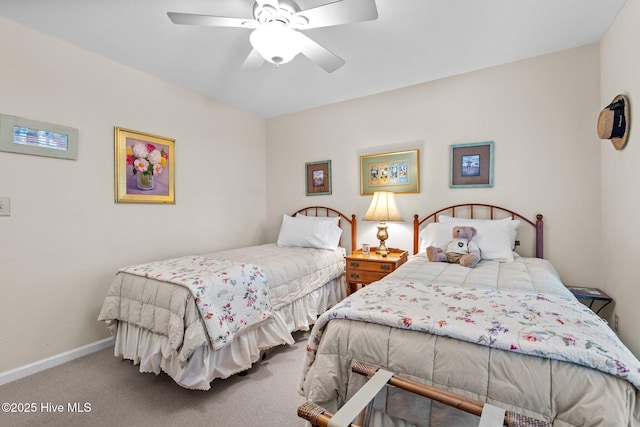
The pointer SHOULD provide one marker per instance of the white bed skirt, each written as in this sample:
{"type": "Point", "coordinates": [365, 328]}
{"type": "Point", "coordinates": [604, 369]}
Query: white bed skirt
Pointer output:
{"type": "Point", "coordinates": [154, 354]}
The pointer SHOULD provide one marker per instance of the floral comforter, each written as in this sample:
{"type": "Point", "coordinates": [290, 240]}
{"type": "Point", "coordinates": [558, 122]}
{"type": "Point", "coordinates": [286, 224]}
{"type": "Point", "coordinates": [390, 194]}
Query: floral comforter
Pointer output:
{"type": "Point", "coordinates": [546, 325]}
{"type": "Point", "coordinates": [230, 296]}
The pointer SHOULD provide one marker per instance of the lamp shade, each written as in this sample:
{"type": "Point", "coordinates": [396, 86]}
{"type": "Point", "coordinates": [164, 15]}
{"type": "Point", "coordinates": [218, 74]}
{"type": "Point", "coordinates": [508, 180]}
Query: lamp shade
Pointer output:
{"type": "Point", "coordinates": [383, 208]}
{"type": "Point", "coordinates": [277, 43]}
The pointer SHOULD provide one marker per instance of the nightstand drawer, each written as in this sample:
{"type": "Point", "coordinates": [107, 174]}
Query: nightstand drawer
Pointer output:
{"type": "Point", "coordinates": [385, 268]}
{"type": "Point", "coordinates": [361, 276]}
{"type": "Point", "coordinates": [365, 269]}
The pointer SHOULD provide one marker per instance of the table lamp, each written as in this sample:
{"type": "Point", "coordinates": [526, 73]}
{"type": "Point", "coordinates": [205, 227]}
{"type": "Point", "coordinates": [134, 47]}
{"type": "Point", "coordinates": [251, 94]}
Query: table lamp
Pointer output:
{"type": "Point", "coordinates": [383, 208]}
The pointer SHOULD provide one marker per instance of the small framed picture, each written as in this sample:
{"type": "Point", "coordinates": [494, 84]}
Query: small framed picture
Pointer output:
{"type": "Point", "coordinates": [471, 165]}
{"type": "Point", "coordinates": [145, 167]}
{"type": "Point", "coordinates": [318, 177]}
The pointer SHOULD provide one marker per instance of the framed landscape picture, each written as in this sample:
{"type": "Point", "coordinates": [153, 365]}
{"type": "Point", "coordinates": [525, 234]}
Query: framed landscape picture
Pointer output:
{"type": "Point", "coordinates": [471, 165]}
{"type": "Point", "coordinates": [318, 178]}
{"type": "Point", "coordinates": [144, 167]}
{"type": "Point", "coordinates": [398, 172]}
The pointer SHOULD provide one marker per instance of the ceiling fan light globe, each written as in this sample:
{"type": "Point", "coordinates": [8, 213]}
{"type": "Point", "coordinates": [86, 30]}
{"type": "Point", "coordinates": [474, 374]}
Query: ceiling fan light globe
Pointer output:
{"type": "Point", "coordinates": [277, 44]}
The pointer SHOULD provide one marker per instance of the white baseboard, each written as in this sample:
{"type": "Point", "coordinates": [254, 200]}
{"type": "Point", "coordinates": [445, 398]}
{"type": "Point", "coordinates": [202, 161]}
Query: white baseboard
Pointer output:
{"type": "Point", "coordinates": [50, 362]}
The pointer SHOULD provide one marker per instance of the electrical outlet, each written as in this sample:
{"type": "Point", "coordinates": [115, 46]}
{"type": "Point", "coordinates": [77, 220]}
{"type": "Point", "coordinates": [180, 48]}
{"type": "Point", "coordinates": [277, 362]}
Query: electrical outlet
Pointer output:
{"type": "Point", "coordinates": [615, 322]}
{"type": "Point", "coordinates": [5, 206]}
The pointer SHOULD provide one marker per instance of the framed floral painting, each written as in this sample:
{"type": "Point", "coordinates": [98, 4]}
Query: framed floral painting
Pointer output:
{"type": "Point", "coordinates": [145, 167]}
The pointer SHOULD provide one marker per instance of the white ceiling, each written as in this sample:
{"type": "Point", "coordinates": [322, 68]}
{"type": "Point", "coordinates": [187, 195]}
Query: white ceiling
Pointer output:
{"type": "Point", "coordinates": [412, 41]}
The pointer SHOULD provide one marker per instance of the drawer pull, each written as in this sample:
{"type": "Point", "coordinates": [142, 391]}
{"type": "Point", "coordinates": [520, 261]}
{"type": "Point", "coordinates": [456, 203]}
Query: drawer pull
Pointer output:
{"type": "Point", "coordinates": [355, 275]}
{"type": "Point", "coordinates": [385, 267]}
{"type": "Point", "coordinates": [354, 265]}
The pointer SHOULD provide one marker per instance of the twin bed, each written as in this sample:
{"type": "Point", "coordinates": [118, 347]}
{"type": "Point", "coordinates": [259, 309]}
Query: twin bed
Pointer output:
{"type": "Point", "coordinates": [507, 333]}
{"type": "Point", "coordinates": [202, 317]}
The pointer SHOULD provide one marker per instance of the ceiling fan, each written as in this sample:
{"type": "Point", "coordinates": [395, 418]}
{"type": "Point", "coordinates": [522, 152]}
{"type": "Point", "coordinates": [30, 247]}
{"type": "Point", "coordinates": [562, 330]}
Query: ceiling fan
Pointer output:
{"type": "Point", "coordinates": [276, 26]}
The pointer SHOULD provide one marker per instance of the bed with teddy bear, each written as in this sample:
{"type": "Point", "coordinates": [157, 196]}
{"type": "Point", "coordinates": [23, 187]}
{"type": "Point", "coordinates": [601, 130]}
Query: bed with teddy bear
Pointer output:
{"type": "Point", "coordinates": [490, 325]}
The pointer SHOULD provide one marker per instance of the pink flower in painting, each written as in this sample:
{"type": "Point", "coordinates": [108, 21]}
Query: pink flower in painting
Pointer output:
{"type": "Point", "coordinates": [150, 147]}
{"type": "Point", "coordinates": [157, 169]}
{"type": "Point", "coordinates": [141, 165]}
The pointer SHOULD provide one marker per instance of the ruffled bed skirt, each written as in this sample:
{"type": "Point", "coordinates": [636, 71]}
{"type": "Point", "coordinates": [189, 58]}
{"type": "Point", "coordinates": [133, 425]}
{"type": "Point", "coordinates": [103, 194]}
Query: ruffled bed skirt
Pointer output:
{"type": "Point", "coordinates": [153, 353]}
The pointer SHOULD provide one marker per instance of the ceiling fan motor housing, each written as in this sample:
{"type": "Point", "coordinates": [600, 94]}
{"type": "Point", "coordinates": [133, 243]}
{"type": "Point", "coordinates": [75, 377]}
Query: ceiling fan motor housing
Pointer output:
{"type": "Point", "coordinates": [287, 14]}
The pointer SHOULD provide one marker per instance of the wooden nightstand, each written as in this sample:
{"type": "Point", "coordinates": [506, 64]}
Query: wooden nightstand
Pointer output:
{"type": "Point", "coordinates": [592, 295]}
{"type": "Point", "coordinates": [364, 269]}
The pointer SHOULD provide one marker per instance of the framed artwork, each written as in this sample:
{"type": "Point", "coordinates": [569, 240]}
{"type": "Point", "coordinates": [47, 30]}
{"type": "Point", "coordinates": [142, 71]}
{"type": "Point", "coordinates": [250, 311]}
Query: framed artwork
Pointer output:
{"type": "Point", "coordinates": [25, 136]}
{"type": "Point", "coordinates": [318, 178]}
{"type": "Point", "coordinates": [471, 165]}
{"type": "Point", "coordinates": [145, 167]}
{"type": "Point", "coordinates": [398, 172]}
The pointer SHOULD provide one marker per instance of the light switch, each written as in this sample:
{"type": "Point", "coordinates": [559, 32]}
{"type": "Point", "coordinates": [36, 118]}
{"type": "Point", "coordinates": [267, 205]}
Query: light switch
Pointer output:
{"type": "Point", "coordinates": [5, 206]}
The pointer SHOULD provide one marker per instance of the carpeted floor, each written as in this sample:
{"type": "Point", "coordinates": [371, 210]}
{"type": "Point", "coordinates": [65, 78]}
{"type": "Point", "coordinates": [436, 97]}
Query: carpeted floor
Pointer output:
{"type": "Point", "coordinates": [112, 392]}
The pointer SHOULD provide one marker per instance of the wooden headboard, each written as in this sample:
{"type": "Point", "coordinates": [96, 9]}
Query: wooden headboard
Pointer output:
{"type": "Point", "coordinates": [324, 211]}
{"type": "Point", "coordinates": [480, 211]}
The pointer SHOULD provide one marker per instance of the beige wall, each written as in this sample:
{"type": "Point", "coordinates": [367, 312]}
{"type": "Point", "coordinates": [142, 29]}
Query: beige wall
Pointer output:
{"type": "Point", "coordinates": [66, 237]}
{"type": "Point", "coordinates": [620, 69]}
{"type": "Point", "coordinates": [540, 113]}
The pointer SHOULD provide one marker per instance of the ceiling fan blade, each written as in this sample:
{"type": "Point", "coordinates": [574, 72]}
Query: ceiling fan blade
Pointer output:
{"type": "Point", "coordinates": [209, 20]}
{"type": "Point", "coordinates": [340, 12]}
{"type": "Point", "coordinates": [253, 61]}
{"type": "Point", "coordinates": [321, 55]}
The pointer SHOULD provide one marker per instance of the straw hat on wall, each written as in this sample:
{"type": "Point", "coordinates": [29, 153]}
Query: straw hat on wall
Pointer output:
{"type": "Point", "coordinates": [613, 122]}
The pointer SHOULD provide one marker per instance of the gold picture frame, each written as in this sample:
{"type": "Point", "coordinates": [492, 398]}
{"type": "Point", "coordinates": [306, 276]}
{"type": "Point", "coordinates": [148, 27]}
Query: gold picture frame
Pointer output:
{"type": "Point", "coordinates": [398, 172]}
{"type": "Point", "coordinates": [144, 167]}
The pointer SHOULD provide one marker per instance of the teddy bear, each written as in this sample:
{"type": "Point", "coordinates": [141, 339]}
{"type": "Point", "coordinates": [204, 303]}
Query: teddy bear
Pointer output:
{"type": "Point", "coordinates": [461, 250]}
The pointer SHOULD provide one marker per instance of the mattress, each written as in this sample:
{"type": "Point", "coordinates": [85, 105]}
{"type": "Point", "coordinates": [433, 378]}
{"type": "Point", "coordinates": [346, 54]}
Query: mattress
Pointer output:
{"type": "Point", "coordinates": [557, 391]}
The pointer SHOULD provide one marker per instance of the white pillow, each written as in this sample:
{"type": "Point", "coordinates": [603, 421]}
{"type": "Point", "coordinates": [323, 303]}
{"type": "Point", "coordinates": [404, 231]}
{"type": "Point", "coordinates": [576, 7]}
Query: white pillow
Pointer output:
{"type": "Point", "coordinates": [495, 238]}
{"type": "Point", "coordinates": [436, 234]}
{"type": "Point", "coordinates": [514, 223]}
{"type": "Point", "coordinates": [334, 219]}
{"type": "Point", "coordinates": [306, 233]}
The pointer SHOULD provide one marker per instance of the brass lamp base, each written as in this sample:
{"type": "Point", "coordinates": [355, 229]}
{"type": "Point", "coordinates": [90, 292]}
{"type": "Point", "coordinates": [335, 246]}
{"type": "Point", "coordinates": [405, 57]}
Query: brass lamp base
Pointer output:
{"type": "Point", "coordinates": [382, 236]}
